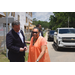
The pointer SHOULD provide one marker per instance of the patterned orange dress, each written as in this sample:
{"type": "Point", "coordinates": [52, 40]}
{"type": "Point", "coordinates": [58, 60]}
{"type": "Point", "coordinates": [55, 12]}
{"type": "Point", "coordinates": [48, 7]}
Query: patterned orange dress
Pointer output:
{"type": "Point", "coordinates": [35, 50]}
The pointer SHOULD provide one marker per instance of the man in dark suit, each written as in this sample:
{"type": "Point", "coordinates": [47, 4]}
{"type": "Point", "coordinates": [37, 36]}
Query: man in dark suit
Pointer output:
{"type": "Point", "coordinates": [15, 42]}
{"type": "Point", "coordinates": [41, 32]}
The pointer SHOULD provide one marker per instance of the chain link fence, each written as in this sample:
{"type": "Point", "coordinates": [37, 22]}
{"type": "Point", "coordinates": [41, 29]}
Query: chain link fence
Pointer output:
{"type": "Point", "coordinates": [2, 37]}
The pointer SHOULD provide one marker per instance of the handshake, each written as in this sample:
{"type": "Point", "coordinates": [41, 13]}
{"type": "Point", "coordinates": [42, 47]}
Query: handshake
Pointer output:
{"type": "Point", "coordinates": [23, 49]}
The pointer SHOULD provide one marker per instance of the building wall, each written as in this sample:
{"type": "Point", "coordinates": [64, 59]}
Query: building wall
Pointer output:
{"type": "Point", "coordinates": [23, 23]}
{"type": "Point", "coordinates": [21, 16]}
{"type": "Point", "coordinates": [29, 18]}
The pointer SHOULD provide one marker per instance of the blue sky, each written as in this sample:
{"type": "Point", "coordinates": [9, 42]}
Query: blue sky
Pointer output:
{"type": "Point", "coordinates": [43, 16]}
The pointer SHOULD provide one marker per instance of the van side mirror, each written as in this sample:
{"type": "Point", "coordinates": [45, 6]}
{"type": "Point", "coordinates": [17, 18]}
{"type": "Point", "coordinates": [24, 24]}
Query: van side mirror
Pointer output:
{"type": "Point", "coordinates": [55, 33]}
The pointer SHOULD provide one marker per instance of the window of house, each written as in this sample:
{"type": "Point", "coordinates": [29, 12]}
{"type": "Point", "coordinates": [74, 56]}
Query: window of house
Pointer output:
{"type": "Point", "coordinates": [26, 19]}
{"type": "Point", "coordinates": [31, 14]}
{"type": "Point", "coordinates": [18, 17]}
{"type": "Point", "coordinates": [13, 14]}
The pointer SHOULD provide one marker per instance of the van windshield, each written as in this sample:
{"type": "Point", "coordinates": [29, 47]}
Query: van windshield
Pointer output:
{"type": "Point", "coordinates": [62, 31]}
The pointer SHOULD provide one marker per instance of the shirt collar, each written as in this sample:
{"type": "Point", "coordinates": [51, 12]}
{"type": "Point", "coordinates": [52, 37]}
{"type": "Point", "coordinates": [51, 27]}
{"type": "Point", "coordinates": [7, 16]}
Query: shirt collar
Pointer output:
{"type": "Point", "coordinates": [18, 32]}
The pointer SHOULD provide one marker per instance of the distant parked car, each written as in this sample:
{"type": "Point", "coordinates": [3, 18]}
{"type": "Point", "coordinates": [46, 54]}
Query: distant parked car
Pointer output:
{"type": "Point", "coordinates": [51, 35]}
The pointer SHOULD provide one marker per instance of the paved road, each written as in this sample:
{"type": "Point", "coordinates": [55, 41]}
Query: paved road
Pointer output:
{"type": "Point", "coordinates": [64, 55]}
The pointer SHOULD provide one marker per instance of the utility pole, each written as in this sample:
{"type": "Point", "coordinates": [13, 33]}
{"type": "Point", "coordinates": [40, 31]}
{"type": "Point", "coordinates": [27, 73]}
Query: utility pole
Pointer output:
{"type": "Point", "coordinates": [6, 31]}
{"type": "Point", "coordinates": [68, 22]}
{"type": "Point", "coordinates": [4, 34]}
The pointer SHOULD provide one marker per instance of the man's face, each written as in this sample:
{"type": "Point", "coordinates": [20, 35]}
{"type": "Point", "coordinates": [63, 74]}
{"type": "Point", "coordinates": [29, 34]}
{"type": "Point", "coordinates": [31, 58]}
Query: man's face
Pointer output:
{"type": "Point", "coordinates": [35, 33]}
{"type": "Point", "coordinates": [16, 28]}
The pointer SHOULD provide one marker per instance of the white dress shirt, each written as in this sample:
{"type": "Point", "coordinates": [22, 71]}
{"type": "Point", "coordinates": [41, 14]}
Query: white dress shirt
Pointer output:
{"type": "Point", "coordinates": [40, 34]}
{"type": "Point", "coordinates": [21, 36]}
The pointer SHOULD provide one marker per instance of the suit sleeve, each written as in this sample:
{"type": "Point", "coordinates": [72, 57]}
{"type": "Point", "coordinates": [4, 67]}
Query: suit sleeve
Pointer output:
{"type": "Point", "coordinates": [42, 33]}
{"type": "Point", "coordinates": [25, 44]}
{"type": "Point", "coordinates": [9, 44]}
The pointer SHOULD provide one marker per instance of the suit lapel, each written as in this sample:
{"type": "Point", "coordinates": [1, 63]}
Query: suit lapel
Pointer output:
{"type": "Point", "coordinates": [16, 35]}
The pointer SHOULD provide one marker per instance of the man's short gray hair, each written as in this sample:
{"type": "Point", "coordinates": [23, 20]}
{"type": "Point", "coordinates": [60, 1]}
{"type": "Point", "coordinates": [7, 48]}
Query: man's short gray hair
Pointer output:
{"type": "Point", "coordinates": [15, 23]}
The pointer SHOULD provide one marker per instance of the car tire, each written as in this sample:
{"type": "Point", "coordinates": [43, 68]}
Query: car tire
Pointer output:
{"type": "Point", "coordinates": [50, 39]}
{"type": "Point", "coordinates": [53, 42]}
{"type": "Point", "coordinates": [57, 47]}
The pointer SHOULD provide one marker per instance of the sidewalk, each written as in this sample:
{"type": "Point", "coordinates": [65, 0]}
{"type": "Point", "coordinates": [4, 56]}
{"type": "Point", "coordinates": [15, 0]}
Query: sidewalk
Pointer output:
{"type": "Point", "coordinates": [46, 36]}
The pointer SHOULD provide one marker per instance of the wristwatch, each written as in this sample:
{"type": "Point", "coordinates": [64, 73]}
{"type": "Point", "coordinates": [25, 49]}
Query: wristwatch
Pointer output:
{"type": "Point", "coordinates": [37, 60]}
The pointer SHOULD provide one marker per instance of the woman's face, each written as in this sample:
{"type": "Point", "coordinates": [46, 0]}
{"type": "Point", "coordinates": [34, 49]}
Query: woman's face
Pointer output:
{"type": "Point", "coordinates": [35, 33]}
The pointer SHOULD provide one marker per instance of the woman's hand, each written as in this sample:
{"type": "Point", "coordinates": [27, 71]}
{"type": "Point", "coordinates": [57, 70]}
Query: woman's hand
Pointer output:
{"type": "Point", "coordinates": [27, 42]}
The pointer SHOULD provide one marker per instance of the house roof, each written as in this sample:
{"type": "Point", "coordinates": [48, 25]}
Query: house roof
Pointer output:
{"type": "Point", "coordinates": [1, 16]}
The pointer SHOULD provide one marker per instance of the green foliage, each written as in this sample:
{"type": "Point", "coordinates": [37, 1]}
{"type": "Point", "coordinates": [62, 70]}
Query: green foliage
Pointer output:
{"type": "Point", "coordinates": [44, 24]}
{"type": "Point", "coordinates": [60, 19]}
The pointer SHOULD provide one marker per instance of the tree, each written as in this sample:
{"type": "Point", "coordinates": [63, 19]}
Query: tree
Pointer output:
{"type": "Point", "coordinates": [60, 19]}
{"type": "Point", "coordinates": [44, 24]}
{"type": "Point", "coordinates": [52, 21]}
{"type": "Point", "coordinates": [34, 21]}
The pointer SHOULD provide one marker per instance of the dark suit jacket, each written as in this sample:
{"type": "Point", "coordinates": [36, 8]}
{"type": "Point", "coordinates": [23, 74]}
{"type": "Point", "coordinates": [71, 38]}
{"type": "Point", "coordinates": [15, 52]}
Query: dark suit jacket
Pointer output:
{"type": "Point", "coordinates": [41, 34]}
{"type": "Point", "coordinates": [13, 43]}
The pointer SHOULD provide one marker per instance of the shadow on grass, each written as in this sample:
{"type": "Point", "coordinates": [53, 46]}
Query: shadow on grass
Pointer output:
{"type": "Point", "coordinates": [3, 52]}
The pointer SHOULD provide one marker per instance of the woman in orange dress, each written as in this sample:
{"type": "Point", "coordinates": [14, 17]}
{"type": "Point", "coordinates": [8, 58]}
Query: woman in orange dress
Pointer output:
{"type": "Point", "coordinates": [38, 51]}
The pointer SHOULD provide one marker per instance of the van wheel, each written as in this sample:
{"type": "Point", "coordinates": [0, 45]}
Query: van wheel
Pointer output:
{"type": "Point", "coordinates": [58, 48]}
{"type": "Point", "coordinates": [53, 42]}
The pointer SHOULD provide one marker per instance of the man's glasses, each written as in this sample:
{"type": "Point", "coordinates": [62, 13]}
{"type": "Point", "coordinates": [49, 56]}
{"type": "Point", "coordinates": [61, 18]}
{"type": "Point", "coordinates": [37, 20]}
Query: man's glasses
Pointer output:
{"type": "Point", "coordinates": [34, 32]}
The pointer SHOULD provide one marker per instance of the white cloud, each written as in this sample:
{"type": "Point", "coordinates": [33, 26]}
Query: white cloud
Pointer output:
{"type": "Point", "coordinates": [43, 16]}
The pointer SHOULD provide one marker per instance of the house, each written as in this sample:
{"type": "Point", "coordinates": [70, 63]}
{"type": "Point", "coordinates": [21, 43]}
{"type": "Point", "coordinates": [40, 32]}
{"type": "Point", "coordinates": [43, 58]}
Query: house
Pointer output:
{"type": "Point", "coordinates": [25, 19]}
{"type": "Point", "coordinates": [31, 27]}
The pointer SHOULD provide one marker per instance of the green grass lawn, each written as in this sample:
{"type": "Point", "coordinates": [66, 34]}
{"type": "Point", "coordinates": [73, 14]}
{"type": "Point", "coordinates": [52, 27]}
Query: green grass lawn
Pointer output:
{"type": "Point", "coordinates": [44, 34]}
{"type": "Point", "coordinates": [26, 56]}
{"type": "Point", "coordinates": [3, 57]}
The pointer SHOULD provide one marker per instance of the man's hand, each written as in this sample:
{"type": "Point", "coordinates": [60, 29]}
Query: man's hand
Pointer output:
{"type": "Point", "coordinates": [25, 48]}
{"type": "Point", "coordinates": [21, 49]}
